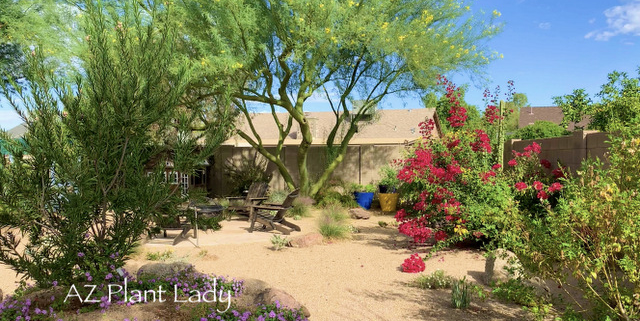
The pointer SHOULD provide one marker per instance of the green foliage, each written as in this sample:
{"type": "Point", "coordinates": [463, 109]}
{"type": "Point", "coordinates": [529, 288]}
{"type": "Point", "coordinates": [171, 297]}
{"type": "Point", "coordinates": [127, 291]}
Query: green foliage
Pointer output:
{"type": "Point", "coordinates": [382, 224]}
{"type": "Point", "coordinates": [389, 178]}
{"type": "Point", "coordinates": [540, 129]}
{"type": "Point", "coordinates": [342, 50]}
{"type": "Point", "coordinates": [279, 242]}
{"type": "Point", "coordinates": [514, 290]}
{"type": "Point", "coordinates": [160, 256]}
{"type": "Point", "coordinates": [92, 175]}
{"type": "Point", "coordinates": [574, 107]}
{"type": "Point", "coordinates": [336, 193]}
{"type": "Point", "coordinates": [592, 231]}
{"type": "Point", "coordinates": [619, 104]}
{"type": "Point", "coordinates": [240, 175]}
{"type": "Point", "coordinates": [332, 223]}
{"type": "Point", "coordinates": [436, 280]}
{"type": "Point", "coordinates": [461, 294]}
{"type": "Point", "coordinates": [277, 196]}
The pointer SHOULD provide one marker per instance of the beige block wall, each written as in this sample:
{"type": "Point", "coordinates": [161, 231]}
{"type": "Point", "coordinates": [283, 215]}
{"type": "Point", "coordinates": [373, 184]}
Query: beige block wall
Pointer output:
{"type": "Point", "coordinates": [361, 164]}
{"type": "Point", "coordinates": [569, 151]}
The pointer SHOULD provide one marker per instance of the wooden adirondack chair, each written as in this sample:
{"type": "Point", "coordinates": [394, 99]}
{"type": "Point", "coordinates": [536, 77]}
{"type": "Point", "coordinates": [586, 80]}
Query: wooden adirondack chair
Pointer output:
{"type": "Point", "coordinates": [261, 213]}
{"type": "Point", "coordinates": [257, 193]}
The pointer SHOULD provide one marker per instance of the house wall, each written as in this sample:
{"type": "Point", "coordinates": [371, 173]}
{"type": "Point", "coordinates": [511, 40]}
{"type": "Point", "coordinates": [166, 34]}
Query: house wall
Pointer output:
{"type": "Point", "coordinates": [569, 150]}
{"type": "Point", "coordinates": [361, 164]}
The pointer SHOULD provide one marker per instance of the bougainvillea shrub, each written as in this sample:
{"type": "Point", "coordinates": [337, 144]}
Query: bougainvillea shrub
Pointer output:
{"type": "Point", "coordinates": [457, 189]}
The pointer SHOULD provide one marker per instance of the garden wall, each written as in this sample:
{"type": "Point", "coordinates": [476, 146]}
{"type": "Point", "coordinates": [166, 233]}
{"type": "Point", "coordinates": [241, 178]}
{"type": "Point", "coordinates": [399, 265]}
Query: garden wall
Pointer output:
{"type": "Point", "coordinates": [568, 150]}
{"type": "Point", "coordinates": [360, 165]}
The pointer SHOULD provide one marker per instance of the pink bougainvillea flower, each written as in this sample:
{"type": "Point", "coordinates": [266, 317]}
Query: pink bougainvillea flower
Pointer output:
{"type": "Point", "coordinates": [496, 166]}
{"type": "Point", "coordinates": [555, 187]}
{"type": "Point", "coordinates": [545, 163]}
{"type": "Point", "coordinates": [521, 186]}
{"type": "Point", "coordinates": [534, 147]}
{"type": "Point", "coordinates": [413, 264]}
{"type": "Point", "coordinates": [512, 163]}
{"type": "Point", "coordinates": [538, 185]}
{"type": "Point", "coordinates": [441, 236]}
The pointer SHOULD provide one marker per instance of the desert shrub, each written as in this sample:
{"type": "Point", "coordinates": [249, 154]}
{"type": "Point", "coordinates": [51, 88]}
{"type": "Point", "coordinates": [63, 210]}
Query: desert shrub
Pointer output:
{"type": "Point", "coordinates": [159, 256]}
{"type": "Point", "coordinates": [241, 174]}
{"type": "Point", "coordinates": [389, 179]}
{"type": "Point", "coordinates": [91, 178]}
{"type": "Point", "coordinates": [540, 129]}
{"type": "Point", "coordinates": [514, 290]}
{"type": "Point", "coordinates": [336, 192]}
{"type": "Point", "coordinates": [279, 242]}
{"type": "Point", "coordinates": [592, 231]}
{"type": "Point", "coordinates": [436, 280]}
{"type": "Point", "coordinates": [332, 223]}
{"type": "Point", "coordinates": [301, 207]}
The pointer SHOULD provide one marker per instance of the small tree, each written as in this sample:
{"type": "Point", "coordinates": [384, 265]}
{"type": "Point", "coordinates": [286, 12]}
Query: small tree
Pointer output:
{"type": "Point", "coordinates": [79, 197]}
{"type": "Point", "coordinates": [278, 54]}
{"type": "Point", "coordinates": [574, 107]}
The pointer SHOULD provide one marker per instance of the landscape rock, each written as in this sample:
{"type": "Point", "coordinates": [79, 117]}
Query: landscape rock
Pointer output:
{"type": "Point", "coordinates": [306, 240]}
{"type": "Point", "coordinates": [259, 292]}
{"type": "Point", "coordinates": [499, 265]}
{"type": "Point", "coordinates": [285, 299]}
{"type": "Point", "coordinates": [163, 270]}
{"type": "Point", "coordinates": [359, 213]}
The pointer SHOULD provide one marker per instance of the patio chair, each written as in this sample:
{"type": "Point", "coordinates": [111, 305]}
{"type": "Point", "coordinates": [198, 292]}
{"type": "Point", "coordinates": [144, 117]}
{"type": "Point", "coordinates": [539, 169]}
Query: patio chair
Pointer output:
{"type": "Point", "coordinates": [261, 213]}
{"type": "Point", "coordinates": [257, 193]}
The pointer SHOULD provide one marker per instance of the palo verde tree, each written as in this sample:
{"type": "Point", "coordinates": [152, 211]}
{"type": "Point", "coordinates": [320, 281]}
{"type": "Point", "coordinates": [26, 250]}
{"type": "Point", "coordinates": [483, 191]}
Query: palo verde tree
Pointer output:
{"type": "Point", "coordinates": [80, 192]}
{"type": "Point", "coordinates": [574, 106]}
{"type": "Point", "coordinates": [278, 54]}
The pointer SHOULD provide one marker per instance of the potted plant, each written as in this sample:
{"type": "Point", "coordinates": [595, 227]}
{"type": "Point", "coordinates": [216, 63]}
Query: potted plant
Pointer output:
{"type": "Point", "coordinates": [364, 195]}
{"type": "Point", "coordinates": [387, 187]}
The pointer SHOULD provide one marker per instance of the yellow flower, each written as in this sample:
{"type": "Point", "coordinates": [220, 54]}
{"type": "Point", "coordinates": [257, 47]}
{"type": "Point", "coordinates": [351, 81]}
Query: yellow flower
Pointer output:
{"type": "Point", "coordinates": [501, 56]}
{"type": "Point", "coordinates": [401, 38]}
{"type": "Point", "coordinates": [496, 13]}
{"type": "Point", "coordinates": [467, 8]}
{"type": "Point", "coordinates": [321, 5]}
{"type": "Point", "coordinates": [327, 30]}
{"type": "Point", "coordinates": [385, 25]}
{"type": "Point", "coordinates": [236, 65]}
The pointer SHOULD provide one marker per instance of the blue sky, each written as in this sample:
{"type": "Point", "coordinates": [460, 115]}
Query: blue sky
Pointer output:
{"type": "Point", "coordinates": [550, 47]}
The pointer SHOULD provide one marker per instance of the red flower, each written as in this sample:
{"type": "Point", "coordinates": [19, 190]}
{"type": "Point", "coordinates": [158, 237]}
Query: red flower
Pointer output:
{"type": "Point", "coordinates": [441, 236]}
{"type": "Point", "coordinates": [478, 234]}
{"type": "Point", "coordinates": [538, 185]}
{"type": "Point", "coordinates": [542, 195]}
{"type": "Point", "coordinates": [485, 176]}
{"type": "Point", "coordinates": [496, 166]}
{"type": "Point", "coordinates": [555, 187]}
{"type": "Point", "coordinates": [482, 142]}
{"type": "Point", "coordinates": [558, 173]}
{"type": "Point", "coordinates": [545, 163]}
{"type": "Point", "coordinates": [414, 264]}
{"type": "Point", "coordinates": [534, 147]}
{"type": "Point", "coordinates": [512, 163]}
{"type": "Point", "coordinates": [520, 186]}
{"type": "Point", "coordinates": [400, 215]}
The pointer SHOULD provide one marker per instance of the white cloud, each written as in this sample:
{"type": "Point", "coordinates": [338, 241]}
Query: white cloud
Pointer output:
{"type": "Point", "coordinates": [621, 20]}
{"type": "Point", "coordinates": [544, 25]}
{"type": "Point", "coordinates": [592, 20]}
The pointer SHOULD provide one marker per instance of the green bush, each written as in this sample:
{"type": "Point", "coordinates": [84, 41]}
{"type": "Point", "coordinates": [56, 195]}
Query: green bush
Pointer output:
{"type": "Point", "coordinates": [436, 280]}
{"type": "Point", "coordinates": [279, 242]}
{"type": "Point", "coordinates": [301, 207]}
{"type": "Point", "coordinates": [592, 232]}
{"type": "Point", "coordinates": [540, 129]}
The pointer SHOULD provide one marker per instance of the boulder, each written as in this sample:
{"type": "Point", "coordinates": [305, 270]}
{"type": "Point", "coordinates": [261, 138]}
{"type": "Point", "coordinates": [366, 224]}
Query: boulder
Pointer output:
{"type": "Point", "coordinates": [306, 240]}
{"type": "Point", "coordinates": [163, 270]}
{"type": "Point", "coordinates": [359, 213]}
{"type": "Point", "coordinates": [259, 292]}
{"type": "Point", "coordinates": [500, 266]}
